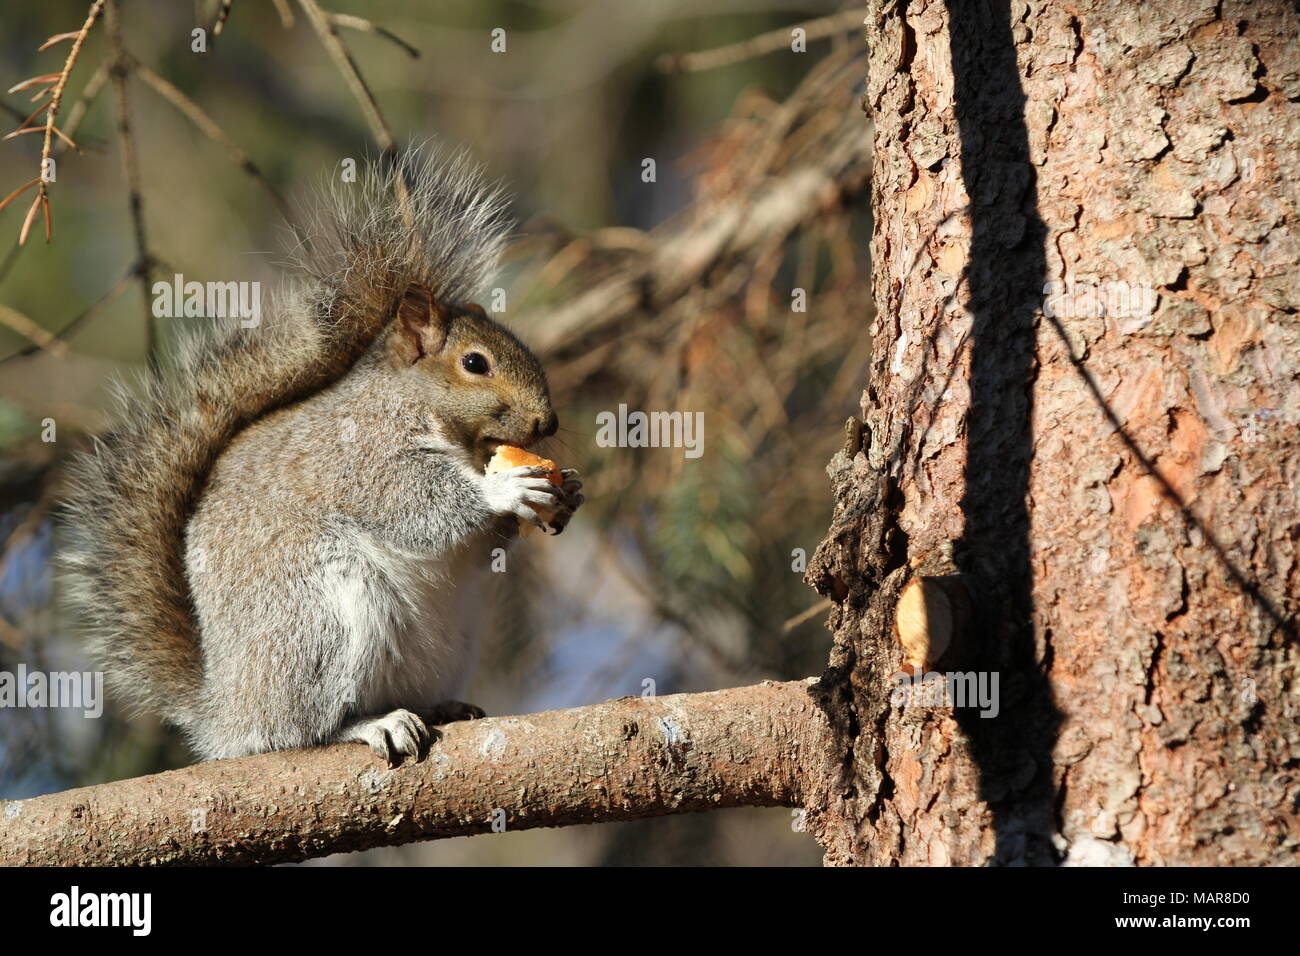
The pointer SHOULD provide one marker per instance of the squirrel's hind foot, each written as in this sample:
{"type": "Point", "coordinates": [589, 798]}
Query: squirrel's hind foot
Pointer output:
{"type": "Point", "coordinates": [450, 711]}
{"type": "Point", "coordinates": [392, 736]}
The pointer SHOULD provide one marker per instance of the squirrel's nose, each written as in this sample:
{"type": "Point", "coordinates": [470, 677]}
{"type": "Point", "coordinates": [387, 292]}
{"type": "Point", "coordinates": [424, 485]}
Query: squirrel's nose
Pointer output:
{"type": "Point", "coordinates": [546, 427]}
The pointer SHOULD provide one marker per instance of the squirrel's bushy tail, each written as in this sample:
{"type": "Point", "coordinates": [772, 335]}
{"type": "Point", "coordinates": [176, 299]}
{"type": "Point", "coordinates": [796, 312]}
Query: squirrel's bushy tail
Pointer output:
{"type": "Point", "coordinates": [422, 218]}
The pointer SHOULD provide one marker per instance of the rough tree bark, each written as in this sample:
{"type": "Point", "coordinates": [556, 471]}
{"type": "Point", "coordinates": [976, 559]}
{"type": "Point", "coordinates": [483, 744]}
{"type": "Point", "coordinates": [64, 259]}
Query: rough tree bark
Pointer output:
{"type": "Point", "coordinates": [1116, 486]}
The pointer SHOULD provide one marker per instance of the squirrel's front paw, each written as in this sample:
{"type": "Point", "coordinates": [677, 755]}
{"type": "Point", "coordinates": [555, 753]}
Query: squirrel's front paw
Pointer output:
{"type": "Point", "coordinates": [571, 500]}
{"type": "Point", "coordinates": [394, 736]}
{"type": "Point", "coordinates": [516, 490]}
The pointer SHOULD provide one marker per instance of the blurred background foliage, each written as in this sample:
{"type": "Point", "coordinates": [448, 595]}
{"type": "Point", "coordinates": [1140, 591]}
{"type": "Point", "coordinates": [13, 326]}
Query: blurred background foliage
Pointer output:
{"type": "Point", "coordinates": [735, 284]}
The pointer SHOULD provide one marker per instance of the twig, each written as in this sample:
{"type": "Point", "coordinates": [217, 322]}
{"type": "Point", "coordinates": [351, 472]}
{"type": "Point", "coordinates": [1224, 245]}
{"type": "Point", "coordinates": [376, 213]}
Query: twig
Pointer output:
{"type": "Point", "coordinates": [55, 40]}
{"type": "Point", "coordinates": [285, 11]}
{"type": "Point", "coordinates": [18, 192]}
{"type": "Point", "coordinates": [88, 95]}
{"type": "Point", "coordinates": [807, 615]}
{"type": "Point", "coordinates": [52, 112]}
{"type": "Point", "coordinates": [365, 26]}
{"type": "Point", "coordinates": [329, 38]}
{"type": "Point", "coordinates": [27, 223]}
{"type": "Point", "coordinates": [131, 170]}
{"type": "Point", "coordinates": [222, 15]}
{"type": "Point", "coordinates": [208, 126]}
{"type": "Point", "coordinates": [33, 81]}
{"type": "Point", "coordinates": [104, 299]}
{"type": "Point", "coordinates": [33, 333]}
{"type": "Point", "coordinates": [758, 217]}
{"type": "Point", "coordinates": [757, 46]}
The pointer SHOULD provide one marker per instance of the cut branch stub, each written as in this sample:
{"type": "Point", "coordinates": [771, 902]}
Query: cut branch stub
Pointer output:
{"type": "Point", "coordinates": [930, 618]}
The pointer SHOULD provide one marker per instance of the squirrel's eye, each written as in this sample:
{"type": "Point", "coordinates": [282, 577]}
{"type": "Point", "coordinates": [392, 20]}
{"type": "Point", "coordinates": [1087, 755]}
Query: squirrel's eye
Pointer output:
{"type": "Point", "coordinates": [475, 364]}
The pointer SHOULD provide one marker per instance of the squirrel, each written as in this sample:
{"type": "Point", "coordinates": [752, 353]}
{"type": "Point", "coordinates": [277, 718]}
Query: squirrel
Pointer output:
{"type": "Point", "coordinates": [273, 544]}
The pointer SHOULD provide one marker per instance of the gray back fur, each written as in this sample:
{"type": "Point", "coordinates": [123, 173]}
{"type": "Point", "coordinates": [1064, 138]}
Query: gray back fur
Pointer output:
{"type": "Point", "coordinates": [131, 493]}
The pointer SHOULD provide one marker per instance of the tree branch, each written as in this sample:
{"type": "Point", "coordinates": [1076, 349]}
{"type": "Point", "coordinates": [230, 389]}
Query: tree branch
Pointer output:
{"type": "Point", "coordinates": [621, 760]}
{"type": "Point", "coordinates": [144, 267]}
{"type": "Point", "coordinates": [769, 42]}
{"type": "Point", "coordinates": [762, 211]}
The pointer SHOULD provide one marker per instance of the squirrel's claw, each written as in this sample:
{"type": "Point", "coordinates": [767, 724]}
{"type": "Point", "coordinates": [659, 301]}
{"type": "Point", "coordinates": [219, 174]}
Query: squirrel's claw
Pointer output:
{"type": "Point", "coordinates": [450, 711]}
{"type": "Point", "coordinates": [570, 501]}
{"type": "Point", "coordinates": [393, 736]}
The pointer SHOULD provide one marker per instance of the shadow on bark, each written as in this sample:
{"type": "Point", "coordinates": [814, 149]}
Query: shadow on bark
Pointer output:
{"type": "Point", "coordinates": [1005, 276]}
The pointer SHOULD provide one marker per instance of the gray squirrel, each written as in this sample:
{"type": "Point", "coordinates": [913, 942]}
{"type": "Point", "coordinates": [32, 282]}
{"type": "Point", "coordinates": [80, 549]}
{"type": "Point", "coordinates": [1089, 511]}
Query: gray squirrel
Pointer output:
{"type": "Point", "coordinates": [272, 543]}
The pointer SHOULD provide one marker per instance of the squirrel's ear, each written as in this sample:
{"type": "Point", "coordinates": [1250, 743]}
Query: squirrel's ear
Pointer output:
{"type": "Point", "coordinates": [476, 309]}
{"type": "Point", "coordinates": [421, 323]}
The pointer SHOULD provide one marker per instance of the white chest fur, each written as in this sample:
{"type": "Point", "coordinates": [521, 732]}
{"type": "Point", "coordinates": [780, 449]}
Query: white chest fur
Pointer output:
{"type": "Point", "coordinates": [411, 622]}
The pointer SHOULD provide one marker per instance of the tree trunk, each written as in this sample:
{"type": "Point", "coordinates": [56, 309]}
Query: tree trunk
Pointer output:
{"type": "Point", "coordinates": [1096, 481]}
